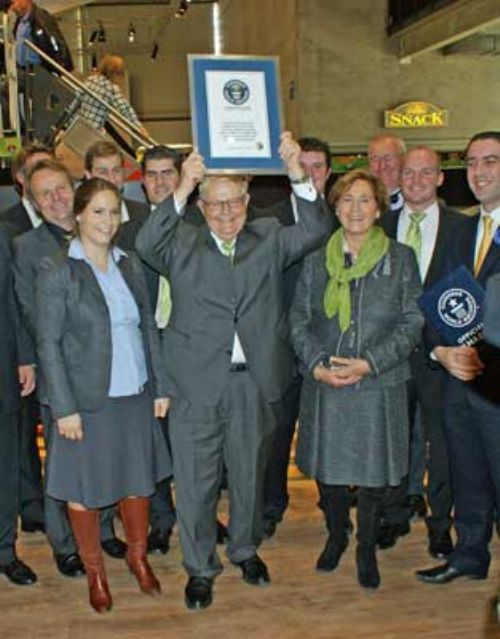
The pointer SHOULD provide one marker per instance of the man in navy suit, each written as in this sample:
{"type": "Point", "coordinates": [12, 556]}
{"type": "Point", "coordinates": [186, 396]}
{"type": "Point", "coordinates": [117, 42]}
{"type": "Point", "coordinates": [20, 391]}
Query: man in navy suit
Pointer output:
{"type": "Point", "coordinates": [433, 224]}
{"type": "Point", "coordinates": [22, 217]}
{"type": "Point", "coordinates": [472, 393]}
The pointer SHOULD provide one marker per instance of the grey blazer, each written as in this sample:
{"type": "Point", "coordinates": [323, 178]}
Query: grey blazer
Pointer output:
{"type": "Point", "coordinates": [29, 250]}
{"type": "Point", "coordinates": [73, 333]}
{"type": "Point", "coordinates": [211, 299]}
{"type": "Point", "coordinates": [387, 319]}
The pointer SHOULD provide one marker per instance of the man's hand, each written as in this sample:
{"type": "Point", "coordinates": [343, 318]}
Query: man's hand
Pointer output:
{"type": "Point", "coordinates": [26, 376]}
{"type": "Point", "coordinates": [289, 151]}
{"type": "Point", "coordinates": [460, 361]}
{"type": "Point", "coordinates": [350, 371]}
{"type": "Point", "coordinates": [192, 172]}
{"type": "Point", "coordinates": [162, 404]}
{"type": "Point", "coordinates": [70, 427]}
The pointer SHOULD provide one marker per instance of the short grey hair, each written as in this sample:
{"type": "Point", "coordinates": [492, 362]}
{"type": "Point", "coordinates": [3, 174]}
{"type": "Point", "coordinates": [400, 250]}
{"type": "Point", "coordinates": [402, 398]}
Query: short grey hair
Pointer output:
{"type": "Point", "coordinates": [240, 180]}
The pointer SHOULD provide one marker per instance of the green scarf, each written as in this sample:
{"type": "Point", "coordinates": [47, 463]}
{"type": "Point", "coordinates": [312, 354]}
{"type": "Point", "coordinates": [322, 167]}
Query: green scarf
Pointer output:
{"type": "Point", "coordinates": [337, 298]}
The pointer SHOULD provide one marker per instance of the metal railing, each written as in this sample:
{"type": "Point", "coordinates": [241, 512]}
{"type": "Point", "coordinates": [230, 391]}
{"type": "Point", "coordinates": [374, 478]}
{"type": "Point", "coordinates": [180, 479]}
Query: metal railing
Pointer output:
{"type": "Point", "coordinates": [78, 87]}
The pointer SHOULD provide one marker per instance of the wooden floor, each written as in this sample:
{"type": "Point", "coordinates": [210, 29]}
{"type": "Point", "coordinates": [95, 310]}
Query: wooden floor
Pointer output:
{"type": "Point", "coordinates": [299, 602]}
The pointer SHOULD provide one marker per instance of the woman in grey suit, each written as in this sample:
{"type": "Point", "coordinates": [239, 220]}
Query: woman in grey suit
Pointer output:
{"type": "Point", "coordinates": [99, 354]}
{"type": "Point", "coordinates": [354, 323]}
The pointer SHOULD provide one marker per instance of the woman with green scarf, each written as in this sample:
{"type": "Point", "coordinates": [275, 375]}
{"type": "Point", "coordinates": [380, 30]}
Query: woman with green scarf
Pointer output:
{"type": "Point", "coordinates": [354, 323]}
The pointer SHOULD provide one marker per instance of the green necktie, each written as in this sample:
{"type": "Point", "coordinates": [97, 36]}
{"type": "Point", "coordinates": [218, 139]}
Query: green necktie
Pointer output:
{"type": "Point", "coordinates": [227, 248]}
{"type": "Point", "coordinates": [413, 237]}
{"type": "Point", "coordinates": [163, 303]}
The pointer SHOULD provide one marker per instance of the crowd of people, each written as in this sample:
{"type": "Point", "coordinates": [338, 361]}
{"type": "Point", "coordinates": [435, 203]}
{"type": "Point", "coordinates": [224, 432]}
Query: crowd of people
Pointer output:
{"type": "Point", "coordinates": [179, 342]}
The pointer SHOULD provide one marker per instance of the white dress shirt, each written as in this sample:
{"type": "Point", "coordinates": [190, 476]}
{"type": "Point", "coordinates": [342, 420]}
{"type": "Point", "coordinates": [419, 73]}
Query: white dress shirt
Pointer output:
{"type": "Point", "coordinates": [35, 219]}
{"type": "Point", "coordinates": [429, 229]}
{"type": "Point", "coordinates": [495, 216]}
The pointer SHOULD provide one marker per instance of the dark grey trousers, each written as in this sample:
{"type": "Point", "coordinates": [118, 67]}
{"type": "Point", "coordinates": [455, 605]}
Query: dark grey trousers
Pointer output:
{"type": "Point", "coordinates": [236, 431]}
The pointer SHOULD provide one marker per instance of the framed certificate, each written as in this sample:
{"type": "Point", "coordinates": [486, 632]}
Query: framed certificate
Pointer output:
{"type": "Point", "coordinates": [236, 113]}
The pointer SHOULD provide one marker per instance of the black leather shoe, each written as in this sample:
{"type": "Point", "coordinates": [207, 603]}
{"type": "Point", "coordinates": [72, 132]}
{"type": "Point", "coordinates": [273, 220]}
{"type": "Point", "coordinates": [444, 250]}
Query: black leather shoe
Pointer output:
{"type": "Point", "coordinates": [198, 592]}
{"type": "Point", "coordinates": [159, 542]}
{"type": "Point", "coordinates": [366, 562]}
{"type": "Point", "coordinates": [332, 552]}
{"type": "Point", "coordinates": [222, 534]}
{"type": "Point", "coordinates": [254, 571]}
{"type": "Point", "coordinates": [70, 565]}
{"type": "Point", "coordinates": [445, 573]}
{"type": "Point", "coordinates": [440, 545]}
{"type": "Point", "coordinates": [32, 526]}
{"type": "Point", "coordinates": [389, 533]}
{"type": "Point", "coordinates": [114, 547]}
{"type": "Point", "coordinates": [18, 573]}
{"type": "Point", "coordinates": [417, 505]}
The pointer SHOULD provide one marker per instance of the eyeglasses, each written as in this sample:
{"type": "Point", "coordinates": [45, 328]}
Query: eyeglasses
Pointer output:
{"type": "Point", "coordinates": [388, 158]}
{"type": "Point", "coordinates": [233, 204]}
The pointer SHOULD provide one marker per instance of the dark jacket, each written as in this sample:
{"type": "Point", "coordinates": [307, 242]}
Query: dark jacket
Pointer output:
{"type": "Point", "coordinates": [47, 36]}
{"type": "Point", "coordinates": [211, 298]}
{"type": "Point", "coordinates": [15, 346]}
{"type": "Point", "coordinates": [73, 333]}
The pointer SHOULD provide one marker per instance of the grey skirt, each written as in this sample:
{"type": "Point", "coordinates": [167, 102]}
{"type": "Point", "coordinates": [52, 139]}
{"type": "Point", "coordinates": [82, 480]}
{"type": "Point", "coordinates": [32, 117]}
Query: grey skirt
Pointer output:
{"type": "Point", "coordinates": [123, 453]}
{"type": "Point", "coordinates": [353, 437]}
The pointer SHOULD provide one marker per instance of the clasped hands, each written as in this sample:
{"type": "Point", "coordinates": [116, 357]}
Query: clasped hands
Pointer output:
{"type": "Point", "coordinates": [462, 362]}
{"type": "Point", "coordinates": [346, 371]}
{"type": "Point", "coordinates": [70, 426]}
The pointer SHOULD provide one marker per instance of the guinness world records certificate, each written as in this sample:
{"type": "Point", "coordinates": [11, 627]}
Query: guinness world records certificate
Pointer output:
{"type": "Point", "coordinates": [236, 113]}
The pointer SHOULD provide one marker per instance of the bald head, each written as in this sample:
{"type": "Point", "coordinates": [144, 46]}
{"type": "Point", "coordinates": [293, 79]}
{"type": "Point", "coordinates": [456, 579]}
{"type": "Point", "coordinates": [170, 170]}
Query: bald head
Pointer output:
{"type": "Point", "coordinates": [385, 155]}
{"type": "Point", "coordinates": [421, 176]}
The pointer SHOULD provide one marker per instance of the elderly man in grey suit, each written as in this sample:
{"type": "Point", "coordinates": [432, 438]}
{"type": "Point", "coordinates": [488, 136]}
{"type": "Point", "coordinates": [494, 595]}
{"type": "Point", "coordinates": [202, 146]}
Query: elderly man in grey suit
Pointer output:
{"type": "Point", "coordinates": [227, 354]}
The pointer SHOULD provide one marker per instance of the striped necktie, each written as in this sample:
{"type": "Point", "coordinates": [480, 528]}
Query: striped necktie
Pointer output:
{"type": "Point", "coordinates": [484, 247]}
{"type": "Point", "coordinates": [413, 237]}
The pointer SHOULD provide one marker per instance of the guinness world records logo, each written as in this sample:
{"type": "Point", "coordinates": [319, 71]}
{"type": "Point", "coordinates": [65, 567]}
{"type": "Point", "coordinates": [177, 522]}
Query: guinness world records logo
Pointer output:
{"type": "Point", "coordinates": [457, 307]}
{"type": "Point", "coordinates": [236, 92]}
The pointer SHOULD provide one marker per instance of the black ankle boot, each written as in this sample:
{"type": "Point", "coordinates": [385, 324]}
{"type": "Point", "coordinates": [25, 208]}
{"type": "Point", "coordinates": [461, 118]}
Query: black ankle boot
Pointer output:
{"type": "Point", "coordinates": [366, 561]}
{"type": "Point", "coordinates": [332, 552]}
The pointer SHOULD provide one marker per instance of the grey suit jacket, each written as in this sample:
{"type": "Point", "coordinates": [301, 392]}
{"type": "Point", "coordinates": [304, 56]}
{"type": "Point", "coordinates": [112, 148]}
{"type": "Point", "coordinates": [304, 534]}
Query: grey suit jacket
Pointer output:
{"type": "Point", "coordinates": [29, 250]}
{"type": "Point", "coordinates": [388, 323]}
{"type": "Point", "coordinates": [73, 335]}
{"type": "Point", "coordinates": [211, 299]}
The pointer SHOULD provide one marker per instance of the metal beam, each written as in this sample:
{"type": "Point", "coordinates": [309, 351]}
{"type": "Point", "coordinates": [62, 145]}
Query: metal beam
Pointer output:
{"type": "Point", "coordinates": [450, 24]}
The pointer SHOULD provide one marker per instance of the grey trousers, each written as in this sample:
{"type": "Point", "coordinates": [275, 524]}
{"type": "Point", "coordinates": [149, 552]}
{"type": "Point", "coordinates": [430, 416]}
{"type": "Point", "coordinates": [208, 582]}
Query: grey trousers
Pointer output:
{"type": "Point", "coordinates": [237, 431]}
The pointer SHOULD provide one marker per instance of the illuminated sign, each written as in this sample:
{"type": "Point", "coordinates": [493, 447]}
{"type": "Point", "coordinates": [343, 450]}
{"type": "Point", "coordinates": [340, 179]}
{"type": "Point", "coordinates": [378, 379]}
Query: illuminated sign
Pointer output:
{"type": "Point", "coordinates": [416, 115]}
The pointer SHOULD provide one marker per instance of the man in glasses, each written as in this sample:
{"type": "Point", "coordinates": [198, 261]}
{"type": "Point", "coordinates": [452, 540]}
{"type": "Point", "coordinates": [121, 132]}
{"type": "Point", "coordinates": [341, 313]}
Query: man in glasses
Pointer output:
{"type": "Point", "coordinates": [226, 354]}
{"type": "Point", "coordinates": [385, 155]}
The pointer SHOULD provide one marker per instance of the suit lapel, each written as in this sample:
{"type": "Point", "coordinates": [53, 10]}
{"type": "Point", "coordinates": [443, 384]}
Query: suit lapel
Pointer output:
{"type": "Point", "coordinates": [438, 256]}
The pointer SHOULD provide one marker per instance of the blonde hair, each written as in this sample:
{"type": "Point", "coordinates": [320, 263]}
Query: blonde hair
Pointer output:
{"type": "Point", "coordinates": [111, 66]}
{"type": "Point", "coordinates": [346, 181]}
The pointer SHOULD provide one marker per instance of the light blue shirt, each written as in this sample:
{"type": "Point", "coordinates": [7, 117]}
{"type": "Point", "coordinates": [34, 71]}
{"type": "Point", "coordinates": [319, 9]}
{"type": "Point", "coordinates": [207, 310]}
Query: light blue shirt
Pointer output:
{"type": "Point", "coordinates": [24, 55]}
{"type": "Point", "coordinates": [128, 363]}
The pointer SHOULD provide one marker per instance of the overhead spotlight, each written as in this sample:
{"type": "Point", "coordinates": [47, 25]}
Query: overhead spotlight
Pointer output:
{"type": "Point", "coordinates": [101, 33]}
{"type": "Point", "coordinates": [154, 52]}
{"type": "Point", "coordinates": [131, 33]}
{"type": "Point", "coordinates": [183, 7]}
